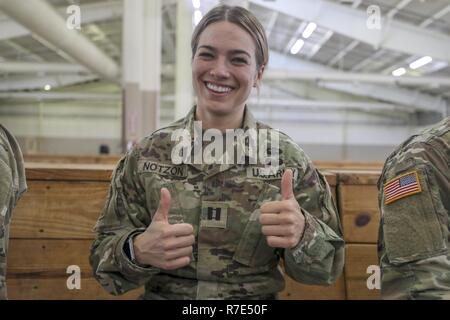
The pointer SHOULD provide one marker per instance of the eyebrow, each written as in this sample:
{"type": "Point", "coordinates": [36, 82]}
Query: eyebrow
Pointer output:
{"type": "Point", "coordinates": [236, 51]}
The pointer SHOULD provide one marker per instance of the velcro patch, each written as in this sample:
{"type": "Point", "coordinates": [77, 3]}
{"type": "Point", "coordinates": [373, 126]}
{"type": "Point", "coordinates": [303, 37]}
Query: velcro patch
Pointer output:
{"type": "Point", "coordinates": [164, 169]}
{"type": "Point", "coordinates": [214, 214]}
{"type": "Point", "coordinates": [269, 173]}
{"type": "Point", "coordinates": [402, 186]}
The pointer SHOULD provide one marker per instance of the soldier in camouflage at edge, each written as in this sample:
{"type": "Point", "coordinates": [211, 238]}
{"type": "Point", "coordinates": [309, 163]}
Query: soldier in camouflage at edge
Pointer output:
{"type": "Point", "coordinates": [199, 231]}
{"type": "Point", "coordinates": [12, 187]}
{"type": "Point", "coordinates": [414, 234]}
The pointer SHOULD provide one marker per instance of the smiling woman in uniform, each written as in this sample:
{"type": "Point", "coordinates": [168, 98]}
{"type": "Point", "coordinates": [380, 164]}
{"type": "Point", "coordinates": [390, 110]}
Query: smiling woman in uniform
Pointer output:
{"type": "Point", "coordinates": [217, 231]}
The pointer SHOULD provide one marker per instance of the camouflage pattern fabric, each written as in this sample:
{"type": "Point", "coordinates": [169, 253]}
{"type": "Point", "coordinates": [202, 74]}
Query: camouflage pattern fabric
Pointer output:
{"type": "Point", "coordinates": [12, 186]}
{"type": "Point", "coordinates": [414, 232]}
{"type": "Point", "coordinates": [231, 258]}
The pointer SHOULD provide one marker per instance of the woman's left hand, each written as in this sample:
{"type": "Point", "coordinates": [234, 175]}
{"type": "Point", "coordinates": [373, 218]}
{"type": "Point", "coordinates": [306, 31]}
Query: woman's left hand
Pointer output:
{"type": "Point", "coordinates": [282, 221]}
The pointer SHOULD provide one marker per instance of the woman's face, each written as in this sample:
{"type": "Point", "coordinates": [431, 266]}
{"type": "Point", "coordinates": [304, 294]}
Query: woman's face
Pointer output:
{"type": "Point", "coordinates": [224, 68]}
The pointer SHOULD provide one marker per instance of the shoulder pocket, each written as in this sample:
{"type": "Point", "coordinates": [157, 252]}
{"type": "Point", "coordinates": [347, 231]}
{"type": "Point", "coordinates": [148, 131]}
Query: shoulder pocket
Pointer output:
{"type": "Point", "coordinates": [411, 225]}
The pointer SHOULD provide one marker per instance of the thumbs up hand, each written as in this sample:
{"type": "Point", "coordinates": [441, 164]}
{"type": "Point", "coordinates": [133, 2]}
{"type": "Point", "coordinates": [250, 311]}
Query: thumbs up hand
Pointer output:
{"type": "Point", "coordinates": [163, 245]}
{"type": "Point", "coordinates": [282, 221]}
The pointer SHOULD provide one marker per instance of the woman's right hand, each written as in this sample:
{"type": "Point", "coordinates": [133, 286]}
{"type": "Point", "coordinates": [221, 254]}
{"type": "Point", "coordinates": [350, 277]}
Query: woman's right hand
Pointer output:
{"type": "Point", "coordinates": [163, 245]}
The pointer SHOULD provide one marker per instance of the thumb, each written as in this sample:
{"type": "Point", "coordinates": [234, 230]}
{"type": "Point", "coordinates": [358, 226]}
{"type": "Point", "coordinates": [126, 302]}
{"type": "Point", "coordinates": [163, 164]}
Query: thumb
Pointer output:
{"type": "Point", "coordinates": [162, 214]}
{"type": "Point", "coordinates": [286, 185]}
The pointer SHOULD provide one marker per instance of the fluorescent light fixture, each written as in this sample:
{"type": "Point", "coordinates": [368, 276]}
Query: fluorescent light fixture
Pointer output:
{"type": "Point", "coordinates": [47, 87]}
{"type": "Point", "coordinates": [297, 46]}
{"type": "Point", "coordinates": [197, 16]}
{"type": "Point", "coordinates": [420, 62]}
{"type": "Point", "coordinates": [196, 4]}
{"type": "Point", "coordinates": [309, 30]}
{"type": "Point", "coordinates": [399, 72]}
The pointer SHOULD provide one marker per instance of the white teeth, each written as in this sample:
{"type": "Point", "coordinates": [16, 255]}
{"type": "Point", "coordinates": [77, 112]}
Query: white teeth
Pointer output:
{"type": "Point", "coordinates": [217, 88]}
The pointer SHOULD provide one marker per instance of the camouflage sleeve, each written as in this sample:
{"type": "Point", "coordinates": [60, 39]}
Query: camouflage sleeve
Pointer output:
{"type": "Point", "coordinates": [413, 244]}
{"type": "Point", "coordinates": [124, 215]}
{"type": "Point", "coordinates": [319, 257]}
{"type": "Point", "coordinates": [5, 196]}
{"type": "Point", "coordinates": [12, 187]}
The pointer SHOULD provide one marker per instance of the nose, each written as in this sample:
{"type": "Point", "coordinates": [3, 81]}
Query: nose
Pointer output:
{"type": "Point", "coordinates": [219, 69]}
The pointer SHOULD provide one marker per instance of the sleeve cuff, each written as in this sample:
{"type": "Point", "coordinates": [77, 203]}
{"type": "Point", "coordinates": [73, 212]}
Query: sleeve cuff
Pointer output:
{"type": "Point", "coordinates": [128, 267]}
{"type": "Point", "coordinates": [309, 233]}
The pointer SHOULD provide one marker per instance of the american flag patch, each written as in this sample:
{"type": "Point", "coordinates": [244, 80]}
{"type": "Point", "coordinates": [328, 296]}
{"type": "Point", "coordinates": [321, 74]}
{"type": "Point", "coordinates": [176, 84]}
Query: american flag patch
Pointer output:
{"type": "Point", "coordinates": [402, 186]}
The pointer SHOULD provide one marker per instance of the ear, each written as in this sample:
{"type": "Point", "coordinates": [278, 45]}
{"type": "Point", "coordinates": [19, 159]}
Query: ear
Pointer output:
{"type": "Point", "coordinates": [259, 75]}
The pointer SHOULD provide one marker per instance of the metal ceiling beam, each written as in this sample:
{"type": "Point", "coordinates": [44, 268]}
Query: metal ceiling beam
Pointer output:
{"type": "Point", "coordinates": [329, 33]}
{"type": "Point", "coordinates": [352, 45]}
{"type": "Point", "coordinates": [387, 93]}
{"type": "Point", "coordinates": [34, 67]}
{"type": "Point", "coordinates": [99, 11]}
{"type": "Point", "coordinates": [356, 77]}
{"type": "Point", "coordinates": [435, 17]}
{"type": "Point", "coordinates": [42, 19]}
{"type": "Point", "coordinates": [421, 101]}
{"type": "Point", "coordinates": [393, 35]}
{"type": "Point", "coordinates": [23, 51]}
{"type": "Point", "coordinates": [329, 105]}
{"type": "Point", "coordinates": [30, 83]}
{"type": "Point", "coordinates": [79, 96]}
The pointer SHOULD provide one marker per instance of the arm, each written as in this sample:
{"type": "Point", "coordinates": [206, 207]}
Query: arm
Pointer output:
{"type": "Point", "coordinates": [413, 245]}
{"type": "Point", "coordinates": [124, 215]}
{"type": "Point", "coordinates": [318, 258]}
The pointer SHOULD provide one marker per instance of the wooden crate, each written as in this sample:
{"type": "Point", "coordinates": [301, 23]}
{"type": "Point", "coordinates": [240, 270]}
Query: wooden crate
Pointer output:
{"type": "Point", "coordinates": [71, 159]}
{"type": "Point", "coordinates": [358, 258]}
{"type": "Point", "coordinates": [358, 205]}
{"type": "Point", "coordinates": [52, 228]}
{"type": "Point", "coordinates": [41, 272]}
{"type": "Point", "coordinates": [299, 291]}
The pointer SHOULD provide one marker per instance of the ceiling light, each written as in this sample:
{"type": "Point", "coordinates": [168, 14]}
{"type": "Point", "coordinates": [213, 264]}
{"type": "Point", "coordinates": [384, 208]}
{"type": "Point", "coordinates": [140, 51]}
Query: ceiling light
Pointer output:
{"type": "Point", "coordinates": [399, 72]}
{"type": "Point", "coordinates": [197, 16]}
{"type": "Point", "coordinates": [420, 62]}
{"type": "Point", "coordinates": [309, 30]}
{"type": "Point", "coordinates": [297, 46]}
{"type": "Point", "coordinates": [196, 4]}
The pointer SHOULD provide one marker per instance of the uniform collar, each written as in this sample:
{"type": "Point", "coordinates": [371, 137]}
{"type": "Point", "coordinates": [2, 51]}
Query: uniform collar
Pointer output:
{"type": "Point", "coordinates": [248, 122]}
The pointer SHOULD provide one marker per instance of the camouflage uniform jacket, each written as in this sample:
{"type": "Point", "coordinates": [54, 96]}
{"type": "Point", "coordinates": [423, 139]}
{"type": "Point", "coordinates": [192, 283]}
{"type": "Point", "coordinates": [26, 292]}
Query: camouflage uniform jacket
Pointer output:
{"type": "Point", "coordinates": [231, 258]}
{"type": "Point", "coordinates": [12, 186]}
{"type": "Point", "coordinates": [414, 232]}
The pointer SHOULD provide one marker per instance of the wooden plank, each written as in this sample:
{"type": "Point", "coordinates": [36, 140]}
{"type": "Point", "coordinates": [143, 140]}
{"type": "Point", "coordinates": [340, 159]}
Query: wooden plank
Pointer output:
{"type": "Point", "coordinates": [331, 178]}
{"type": "Point", "coordinates": [94, 172]}
{"type": "Point", "coordinates": [357, 177]}
{"type": "Point", "coordinates": [358, 207]}
{"type": "Point", "coordinates": [58, 209]}
{"type": "Point", "coordinates": [51, 158]}
{"type": "Point", "coordinates": [68, 172]}
{"type": "Point", "coordinates": [349, 165]}
{"type": "Point", "coordinates": [47, 258]}
{"type": "Point", "coordinates": [299, 291]}
{"type": "Point", "coordinates": [56, 289]}
{"type": "Point", "coordinates": [357, 259]}
{"type": "Point", "coordinates": [41, 272]}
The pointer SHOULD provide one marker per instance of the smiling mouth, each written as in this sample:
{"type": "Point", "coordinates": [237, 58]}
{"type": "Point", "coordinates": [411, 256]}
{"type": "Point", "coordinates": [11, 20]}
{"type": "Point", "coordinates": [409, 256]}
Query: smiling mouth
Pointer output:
{"type": "Point", "coordinates": [218, 89]}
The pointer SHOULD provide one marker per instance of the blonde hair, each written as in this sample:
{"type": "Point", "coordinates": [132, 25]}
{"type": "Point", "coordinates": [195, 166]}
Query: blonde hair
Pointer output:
{"type": "Point", "coordinates": [241, 17]}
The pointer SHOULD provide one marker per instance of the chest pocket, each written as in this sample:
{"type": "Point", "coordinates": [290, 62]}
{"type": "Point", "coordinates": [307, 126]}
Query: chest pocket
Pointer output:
{"type": "Point", "coordinates": [253, 250]}
{"type": "Point", "coordinates": [185, 201]}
